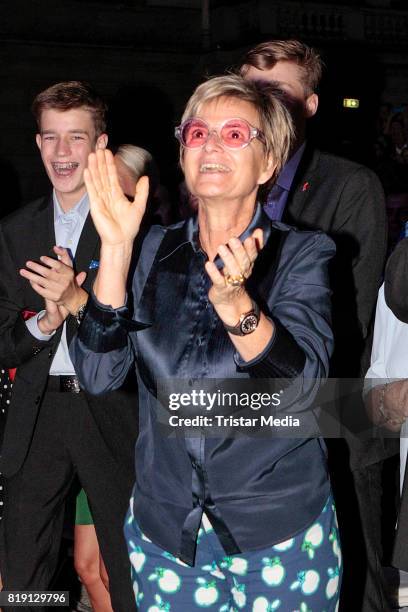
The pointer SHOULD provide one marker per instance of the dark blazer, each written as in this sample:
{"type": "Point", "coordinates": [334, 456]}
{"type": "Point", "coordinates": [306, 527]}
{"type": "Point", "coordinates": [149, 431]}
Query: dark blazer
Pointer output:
{"type": "Point", "coordinates": [26, 234]}
{"type": "Point", "coordinates": [346, 201]}
{"type": "Point", "coordinates": [400, 552]}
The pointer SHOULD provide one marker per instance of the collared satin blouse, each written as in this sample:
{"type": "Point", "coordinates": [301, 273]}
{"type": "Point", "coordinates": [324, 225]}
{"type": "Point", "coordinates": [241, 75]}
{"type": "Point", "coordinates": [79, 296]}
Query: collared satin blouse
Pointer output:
{"type": "Point", "coordinates": [255, 492]}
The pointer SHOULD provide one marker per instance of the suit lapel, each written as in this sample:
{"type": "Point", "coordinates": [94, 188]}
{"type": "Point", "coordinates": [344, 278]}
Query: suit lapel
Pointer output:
{"type": "Point", "coordinates": [42, 228]}
{"type": "Point", "coordinates": [37, 238]}
{"type": "Point", "coordinates": [303, 187]}
{"type": "Point", "coordinates": [87, 252]}
{"type": "Point", "coordinates": [86, 259]}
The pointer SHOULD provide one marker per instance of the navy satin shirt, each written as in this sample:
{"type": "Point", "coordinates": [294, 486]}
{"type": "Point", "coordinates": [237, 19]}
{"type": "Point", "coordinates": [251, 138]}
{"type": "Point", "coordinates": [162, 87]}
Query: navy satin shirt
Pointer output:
{"type": "Point", "coordinates": [255, 492]}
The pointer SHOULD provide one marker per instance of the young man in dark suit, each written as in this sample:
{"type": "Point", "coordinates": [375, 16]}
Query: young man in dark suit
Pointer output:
{"type": "Point", "coordinates": [316, 190]}
{"type": "Point", "coordinates": [54, 429]}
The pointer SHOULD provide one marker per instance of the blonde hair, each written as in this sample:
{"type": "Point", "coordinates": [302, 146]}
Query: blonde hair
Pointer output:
{"type": "Point", "coordinates": [275, 122]}
{"type": "Point", "coordinates": [139, 163]}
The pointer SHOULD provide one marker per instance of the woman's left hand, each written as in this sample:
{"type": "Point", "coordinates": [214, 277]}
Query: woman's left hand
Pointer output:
{"type": "Point", "coordinates": [228, 293]}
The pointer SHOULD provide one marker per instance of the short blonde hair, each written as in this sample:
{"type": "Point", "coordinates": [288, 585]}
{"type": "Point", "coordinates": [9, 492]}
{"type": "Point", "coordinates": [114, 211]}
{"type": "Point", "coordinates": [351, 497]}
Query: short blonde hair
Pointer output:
{"type": "Point", "coordinates": [139, 163]}
{"type": "Point", "coordinates": [275, 121]}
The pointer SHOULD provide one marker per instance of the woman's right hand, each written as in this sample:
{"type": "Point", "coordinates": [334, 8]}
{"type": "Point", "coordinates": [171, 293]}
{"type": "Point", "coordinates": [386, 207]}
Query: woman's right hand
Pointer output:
{"type": "Point", "coordinates": [117, 220]}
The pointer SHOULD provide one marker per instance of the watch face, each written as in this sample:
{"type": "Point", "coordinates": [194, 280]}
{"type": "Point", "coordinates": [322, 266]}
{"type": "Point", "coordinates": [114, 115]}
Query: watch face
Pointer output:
{"type": "Point", "coordinates": [249, 324]}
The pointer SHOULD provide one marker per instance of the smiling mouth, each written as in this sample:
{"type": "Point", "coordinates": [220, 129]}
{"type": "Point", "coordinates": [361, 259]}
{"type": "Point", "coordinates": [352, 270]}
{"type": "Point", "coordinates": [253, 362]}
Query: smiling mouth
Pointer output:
{"type": "Point", "coordinates": [64, 168]}
{"type": "Point", "coordinates": [210, 168]}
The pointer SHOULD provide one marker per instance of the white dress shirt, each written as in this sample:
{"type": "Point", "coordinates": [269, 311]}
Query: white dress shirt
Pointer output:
{"type": "Point", "coordinates": [389, 360]}
{"type": "Point", "coordinates": [68, 228]}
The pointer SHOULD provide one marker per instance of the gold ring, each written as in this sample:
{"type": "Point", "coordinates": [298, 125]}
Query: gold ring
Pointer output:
{"type": "Point", "coordinates": [234, 281]}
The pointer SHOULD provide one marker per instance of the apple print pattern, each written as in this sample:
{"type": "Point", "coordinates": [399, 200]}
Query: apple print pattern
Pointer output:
{"type": "Point", "coordinates": [300, 574]}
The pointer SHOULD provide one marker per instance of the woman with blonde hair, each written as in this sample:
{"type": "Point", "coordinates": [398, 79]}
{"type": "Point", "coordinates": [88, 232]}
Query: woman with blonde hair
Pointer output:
{"type": "Point", "coordinates": [218, 520]}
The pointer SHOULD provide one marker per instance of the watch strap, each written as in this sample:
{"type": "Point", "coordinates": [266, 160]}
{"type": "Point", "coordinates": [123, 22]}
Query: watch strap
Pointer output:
{"type": "Point", "coordinates": [236, 330]}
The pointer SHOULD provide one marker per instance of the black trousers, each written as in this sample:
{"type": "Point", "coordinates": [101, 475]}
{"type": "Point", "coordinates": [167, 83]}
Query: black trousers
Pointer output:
{"type": "Point", "coordinates": [66, 442]}
{"type": "Point", "coordinates": [358, 496]}
{"type": "Point", "coordinates": [369, 482]}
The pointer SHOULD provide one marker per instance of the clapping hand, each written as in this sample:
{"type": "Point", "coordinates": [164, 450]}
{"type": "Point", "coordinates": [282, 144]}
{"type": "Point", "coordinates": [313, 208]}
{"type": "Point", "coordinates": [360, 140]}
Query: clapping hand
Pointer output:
{"type": "Point", "coordinates": [56, 281]}
{"type": "Point", "coordinates": [239, 258]}
{"type": "Point", "coordinates": [116, 219]}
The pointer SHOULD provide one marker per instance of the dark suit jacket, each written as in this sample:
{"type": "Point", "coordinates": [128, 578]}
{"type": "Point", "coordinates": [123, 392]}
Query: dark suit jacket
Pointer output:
{"type": "Point", "coordinates": [27, 234]}
{"type": "Point", "coordinates": [346, 200]}
{"type": "Point", "coordinates": [400, 552]}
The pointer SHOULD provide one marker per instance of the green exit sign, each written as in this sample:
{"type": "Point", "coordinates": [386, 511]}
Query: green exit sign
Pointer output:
{"type": "Point", "coordinates": [351, 102]}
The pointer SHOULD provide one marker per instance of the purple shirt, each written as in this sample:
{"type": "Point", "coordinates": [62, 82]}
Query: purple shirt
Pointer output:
{"type": "Point", "coordinates": [278, 195]}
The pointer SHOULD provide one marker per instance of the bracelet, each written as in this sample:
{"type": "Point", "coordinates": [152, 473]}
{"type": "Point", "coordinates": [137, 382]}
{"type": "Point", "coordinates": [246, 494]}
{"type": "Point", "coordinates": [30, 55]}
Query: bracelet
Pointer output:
{"type": "Point", "coordinates": [381, 409]}
{"type": "Point", "coordinates": [79, 315]}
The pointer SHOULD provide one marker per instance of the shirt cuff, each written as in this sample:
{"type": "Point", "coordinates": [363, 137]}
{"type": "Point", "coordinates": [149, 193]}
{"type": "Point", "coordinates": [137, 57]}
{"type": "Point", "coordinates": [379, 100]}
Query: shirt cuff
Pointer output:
{"type": "Point", "coordinates": [32, 326]}
{"type": "Point", "coordinates": [104, 328]}
{"type": "Point", "coordinates": [281, 358]}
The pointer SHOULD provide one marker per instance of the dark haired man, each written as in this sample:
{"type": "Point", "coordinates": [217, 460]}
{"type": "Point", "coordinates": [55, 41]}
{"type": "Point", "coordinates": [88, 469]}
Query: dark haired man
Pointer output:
{"type": "Point", "coordinates": [54, 430]}
{"type": "Point", "coordinates": [316, 190]}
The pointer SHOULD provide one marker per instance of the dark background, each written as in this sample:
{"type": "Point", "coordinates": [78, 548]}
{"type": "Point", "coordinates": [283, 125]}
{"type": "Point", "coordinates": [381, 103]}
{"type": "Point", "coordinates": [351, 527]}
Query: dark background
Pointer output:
{"type": "Point", "coordinates": [146, 56]}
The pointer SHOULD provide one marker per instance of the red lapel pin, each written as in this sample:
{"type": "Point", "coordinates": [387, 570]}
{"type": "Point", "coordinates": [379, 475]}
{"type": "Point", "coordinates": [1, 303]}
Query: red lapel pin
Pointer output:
{"type": "Point", "coordinates": [305, 186]}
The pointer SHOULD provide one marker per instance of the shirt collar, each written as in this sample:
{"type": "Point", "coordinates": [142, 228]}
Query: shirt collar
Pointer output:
{"type": "Point", "coordinates": [187, 232]}
{"type": "Point", "coordinates": [287, 174]}
{"type": "Point", "coordinates": [81, 208]}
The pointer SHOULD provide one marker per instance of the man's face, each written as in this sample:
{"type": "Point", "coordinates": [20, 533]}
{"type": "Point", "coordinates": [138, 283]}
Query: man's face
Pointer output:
{"type": "Point", "coordinates": [65, 140]}
{"type": "Point", "coordinates": [286, 76]}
